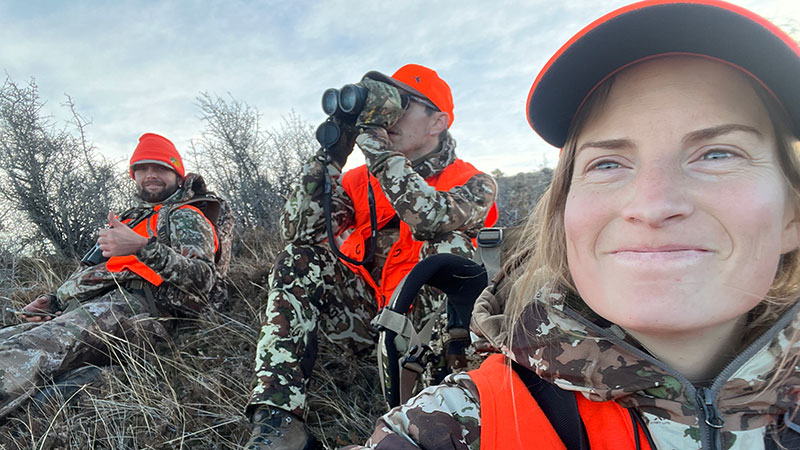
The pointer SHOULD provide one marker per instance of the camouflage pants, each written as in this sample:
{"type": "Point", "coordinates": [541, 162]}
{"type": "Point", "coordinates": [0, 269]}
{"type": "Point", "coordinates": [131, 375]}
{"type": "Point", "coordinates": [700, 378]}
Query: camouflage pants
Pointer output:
{"type": "Point", "coordinates": [309, 290]}
{"type": "Point", "coordinates": [31, 353]}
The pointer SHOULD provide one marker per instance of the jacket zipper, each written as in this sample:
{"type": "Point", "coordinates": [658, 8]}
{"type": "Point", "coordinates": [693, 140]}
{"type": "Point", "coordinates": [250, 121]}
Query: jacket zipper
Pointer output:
{"type": "Point", "coordinates": [709, 419]}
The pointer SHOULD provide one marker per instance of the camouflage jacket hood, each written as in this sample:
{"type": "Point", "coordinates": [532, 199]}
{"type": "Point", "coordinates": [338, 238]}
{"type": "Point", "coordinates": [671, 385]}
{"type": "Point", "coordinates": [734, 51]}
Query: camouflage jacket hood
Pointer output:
{"type": "Point", "coordinates": [578, 351]}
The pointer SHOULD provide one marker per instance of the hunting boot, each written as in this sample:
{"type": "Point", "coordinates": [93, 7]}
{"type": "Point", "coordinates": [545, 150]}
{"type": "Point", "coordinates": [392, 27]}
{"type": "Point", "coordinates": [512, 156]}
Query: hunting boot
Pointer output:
{"type": "Point", "coordinates": [277, 429]}
{"type": "Point", "coordinates": [65, 387]}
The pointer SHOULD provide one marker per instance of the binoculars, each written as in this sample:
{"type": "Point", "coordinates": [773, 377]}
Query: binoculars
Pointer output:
{"type": "Point", "coordinates": [343, 104]}
{"type": "Point", "coordinates": [94, 256]}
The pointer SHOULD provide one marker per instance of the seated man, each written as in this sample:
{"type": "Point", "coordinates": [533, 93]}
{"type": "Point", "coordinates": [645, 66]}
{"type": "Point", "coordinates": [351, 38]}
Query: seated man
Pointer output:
{"type": "Point", "coordinates": [148, 268]}
{"type": "Point", "coordinates": [426, 200]}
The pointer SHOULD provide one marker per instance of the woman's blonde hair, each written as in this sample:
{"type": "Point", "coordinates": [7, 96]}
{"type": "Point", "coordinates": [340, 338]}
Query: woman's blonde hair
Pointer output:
{"type": "Point", "coordinates": [545, 264]}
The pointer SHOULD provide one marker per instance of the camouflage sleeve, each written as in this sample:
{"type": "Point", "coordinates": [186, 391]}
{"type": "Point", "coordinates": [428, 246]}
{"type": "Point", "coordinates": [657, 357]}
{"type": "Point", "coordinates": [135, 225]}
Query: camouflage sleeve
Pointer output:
{"type": "Point", "coordinates": [303, 219]}
{"type": "Point", "coordinates": [89, 282]}
{"type": "Point", "coordinates": [443, 417]}
{"type": "Point", "coordinates": [188, 262]}
{"type": "Point", "coordinates": [428, 212]}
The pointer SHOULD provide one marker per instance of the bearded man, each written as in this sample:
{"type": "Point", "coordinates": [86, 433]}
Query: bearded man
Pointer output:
{"type": "Point", "coordinates": [142, 269]}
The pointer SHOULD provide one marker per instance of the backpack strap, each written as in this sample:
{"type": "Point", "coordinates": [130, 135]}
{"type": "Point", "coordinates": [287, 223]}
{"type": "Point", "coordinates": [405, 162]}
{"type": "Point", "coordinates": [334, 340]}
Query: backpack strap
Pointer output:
{"type": "Point", "coordinates": [143, 289]}
{"type": "Point", "coordinates": [488, 252]}
{"type": "Point", "coordinates": [560, 407]}
{"type": "Point", "coordinates": [461, 280]}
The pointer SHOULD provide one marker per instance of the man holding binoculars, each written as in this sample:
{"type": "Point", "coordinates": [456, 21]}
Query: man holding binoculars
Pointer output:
{"type": "Point", "coordinates": [353, 237]}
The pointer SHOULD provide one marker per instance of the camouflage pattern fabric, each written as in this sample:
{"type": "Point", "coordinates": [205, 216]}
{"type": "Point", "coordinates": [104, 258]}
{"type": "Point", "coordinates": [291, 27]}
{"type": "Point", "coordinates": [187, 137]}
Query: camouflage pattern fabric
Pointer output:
{"type": "Point", "coordinates": [30, 353]}
{"type": "Point", "coordinates": [429, 213]}
{"type": "Point", "coordinates": [308, 285]}
{"type": "Point", "coordinates": [383, 106]}
{"type": "Point", "coordinates": [194, 192]}
{"type": "Point", "coordinates": [303, 220]}
{"type": "Point", "coordinates": [565, 344]}
{"type": "Point", "coordinates": [310, 289]}
{"type": "Point", "coordinates": [33, 352]}
{"type": "Point", "coordinates": [186, 265]}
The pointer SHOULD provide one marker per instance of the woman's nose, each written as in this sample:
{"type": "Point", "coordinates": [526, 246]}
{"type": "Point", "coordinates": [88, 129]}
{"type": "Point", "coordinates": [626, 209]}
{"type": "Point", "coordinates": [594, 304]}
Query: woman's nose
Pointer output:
{"type": "Point", "coordinates": [658, 196]}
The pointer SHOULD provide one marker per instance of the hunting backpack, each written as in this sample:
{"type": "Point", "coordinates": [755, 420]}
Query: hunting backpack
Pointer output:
{"type": "Point", "coordinates": [413, 356]}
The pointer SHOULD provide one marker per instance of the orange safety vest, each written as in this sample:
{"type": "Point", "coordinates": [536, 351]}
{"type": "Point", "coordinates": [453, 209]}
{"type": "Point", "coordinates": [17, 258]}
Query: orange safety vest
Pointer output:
{"type": "Point", "coordinates": [511, 418]}
{"type": "Point", "coordinates": [404, 253]}
{"type": "Point", "coordinates": [147, 228]}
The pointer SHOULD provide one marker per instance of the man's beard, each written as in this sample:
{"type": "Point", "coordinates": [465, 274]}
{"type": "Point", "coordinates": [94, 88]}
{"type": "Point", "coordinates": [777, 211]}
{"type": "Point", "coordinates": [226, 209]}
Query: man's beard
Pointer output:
{"type": "Point", "coordinates": [159, 196]}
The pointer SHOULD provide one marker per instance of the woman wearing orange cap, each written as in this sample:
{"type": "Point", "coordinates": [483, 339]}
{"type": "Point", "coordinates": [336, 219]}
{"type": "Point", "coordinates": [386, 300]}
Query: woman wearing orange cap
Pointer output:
{"type": "Point", "coordinates": [656, 304]}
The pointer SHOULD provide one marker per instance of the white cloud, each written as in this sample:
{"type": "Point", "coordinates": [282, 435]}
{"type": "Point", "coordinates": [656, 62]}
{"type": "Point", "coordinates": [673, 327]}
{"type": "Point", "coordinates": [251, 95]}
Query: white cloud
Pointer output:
{"type": "Point", "coordinates": [134, 67]}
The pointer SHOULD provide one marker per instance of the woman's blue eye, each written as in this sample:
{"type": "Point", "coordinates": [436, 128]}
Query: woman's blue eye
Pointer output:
{"type": "Point", "coordinates": [716, 154]}
{"type": "Point", "coordinates": [605, 165]}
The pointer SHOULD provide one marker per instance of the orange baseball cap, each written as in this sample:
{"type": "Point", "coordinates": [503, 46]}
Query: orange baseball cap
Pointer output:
{"type": "Point", "coordinates": [422, 82]}
{"type": "Point", "coordinates": [709, 28]}
{"type": "Point", "coordinates": [155, 149]}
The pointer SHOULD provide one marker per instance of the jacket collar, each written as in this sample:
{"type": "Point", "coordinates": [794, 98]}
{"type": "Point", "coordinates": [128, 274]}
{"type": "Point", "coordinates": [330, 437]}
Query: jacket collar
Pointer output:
{"type": "Point", "coordinates": [574, 349]}
{"type": "Point", "coordinates": [436, 161]}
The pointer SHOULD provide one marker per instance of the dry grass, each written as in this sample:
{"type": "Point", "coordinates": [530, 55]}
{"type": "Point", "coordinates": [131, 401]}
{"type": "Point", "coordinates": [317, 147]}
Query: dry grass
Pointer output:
{"type": "Point", "coordinates": [190, 392]}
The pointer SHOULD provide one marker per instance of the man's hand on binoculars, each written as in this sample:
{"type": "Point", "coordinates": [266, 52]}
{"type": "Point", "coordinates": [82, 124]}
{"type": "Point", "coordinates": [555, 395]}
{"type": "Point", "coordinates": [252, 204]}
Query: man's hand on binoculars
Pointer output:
{"type": "Point", "coordinates": [383, 107]}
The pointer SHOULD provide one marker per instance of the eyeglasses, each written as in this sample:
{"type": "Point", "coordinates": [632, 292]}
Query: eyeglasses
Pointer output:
{"type": "Point", "coordinates": [424, 101]}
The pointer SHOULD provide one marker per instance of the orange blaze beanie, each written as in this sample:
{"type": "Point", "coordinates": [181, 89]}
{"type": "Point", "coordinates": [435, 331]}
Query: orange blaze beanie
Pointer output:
{"type": "Point", "coordinates": [155, 149]}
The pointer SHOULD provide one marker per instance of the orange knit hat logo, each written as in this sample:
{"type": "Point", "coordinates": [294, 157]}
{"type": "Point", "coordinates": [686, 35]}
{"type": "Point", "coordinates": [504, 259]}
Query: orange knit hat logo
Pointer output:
{"type": "Point", "coordinates": [155, 149]}
{"type": "Point", "coordinates": [427, 82]}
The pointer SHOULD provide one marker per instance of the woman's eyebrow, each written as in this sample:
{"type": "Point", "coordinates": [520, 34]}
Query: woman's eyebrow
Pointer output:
{"type": "Point", "coordinates": [719, 130]}
{"type": "Point", "coordinates": [609, 144]}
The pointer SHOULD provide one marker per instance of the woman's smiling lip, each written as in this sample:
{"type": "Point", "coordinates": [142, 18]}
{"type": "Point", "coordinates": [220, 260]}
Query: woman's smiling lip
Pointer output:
{"type": "Point", "coordinates": [661, 253]}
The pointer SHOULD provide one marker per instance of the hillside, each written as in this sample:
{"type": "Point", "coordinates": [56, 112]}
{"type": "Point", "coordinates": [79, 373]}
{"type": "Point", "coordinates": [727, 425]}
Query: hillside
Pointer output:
{"type": "Point", "coordinates": [190, 392]}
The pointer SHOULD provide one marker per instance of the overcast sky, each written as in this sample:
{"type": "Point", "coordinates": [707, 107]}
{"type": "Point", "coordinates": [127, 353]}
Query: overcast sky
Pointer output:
{"type": "Point", "coordinates": [135, 67]}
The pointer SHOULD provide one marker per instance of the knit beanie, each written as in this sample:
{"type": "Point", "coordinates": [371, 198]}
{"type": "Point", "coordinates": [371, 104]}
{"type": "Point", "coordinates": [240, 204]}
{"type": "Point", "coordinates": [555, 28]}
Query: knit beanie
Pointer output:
{"type": "Point", "coordinates": [155, 149]}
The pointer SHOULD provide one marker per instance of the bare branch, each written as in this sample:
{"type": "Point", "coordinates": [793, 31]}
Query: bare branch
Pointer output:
{"type": "Point", "coordinates": [53, 176]}
{"type": "Point", "coordinates": [252, 168]}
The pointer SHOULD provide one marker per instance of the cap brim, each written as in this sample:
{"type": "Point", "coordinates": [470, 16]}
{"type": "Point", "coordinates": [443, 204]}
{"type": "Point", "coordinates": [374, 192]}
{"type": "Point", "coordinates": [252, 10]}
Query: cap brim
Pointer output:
{"type": "Point", "coordinates": [711, 28]}
{"type": "Point", "coordinates": [377, 76]}
{"type": "Point", "coordinates": [152, 161]}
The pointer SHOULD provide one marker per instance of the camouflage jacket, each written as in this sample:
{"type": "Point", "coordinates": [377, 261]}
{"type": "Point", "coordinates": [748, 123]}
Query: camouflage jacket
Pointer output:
{"type": "Point", "coordinates": [588, 355]}
{"type": "Point", "coordinates": [186, 265]}
{"type": "Point", "coordinates": [462, 208]}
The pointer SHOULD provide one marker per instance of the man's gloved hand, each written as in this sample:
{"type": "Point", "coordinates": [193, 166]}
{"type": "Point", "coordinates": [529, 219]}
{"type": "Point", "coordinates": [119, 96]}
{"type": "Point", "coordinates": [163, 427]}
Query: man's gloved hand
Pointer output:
{"type": "Point", "coordinates": [344, 146]}
{"type": "Point", "coordinates": [384, 105]}
{"type": "Point", "coordinates": [375, 145]}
